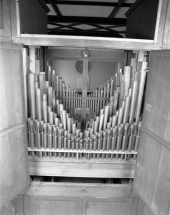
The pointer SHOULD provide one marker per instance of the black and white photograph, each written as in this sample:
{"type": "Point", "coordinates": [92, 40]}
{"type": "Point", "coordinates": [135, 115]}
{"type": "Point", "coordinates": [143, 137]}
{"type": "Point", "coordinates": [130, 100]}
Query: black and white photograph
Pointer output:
{"type": "Point", "coordinates": [84, 107]}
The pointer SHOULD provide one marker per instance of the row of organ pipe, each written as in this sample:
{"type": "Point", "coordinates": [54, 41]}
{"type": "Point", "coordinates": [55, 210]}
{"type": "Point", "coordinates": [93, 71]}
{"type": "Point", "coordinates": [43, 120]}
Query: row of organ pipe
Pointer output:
{"type": "Point", "coordinates": [113, 116]}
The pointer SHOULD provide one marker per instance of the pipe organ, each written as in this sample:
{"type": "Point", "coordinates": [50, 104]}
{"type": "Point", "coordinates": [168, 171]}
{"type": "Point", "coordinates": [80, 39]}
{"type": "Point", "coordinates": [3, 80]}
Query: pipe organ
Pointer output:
{"type": "Point", "coordinates": [102, 152]}
{"type": "Point", "coordinates": [112, 123]}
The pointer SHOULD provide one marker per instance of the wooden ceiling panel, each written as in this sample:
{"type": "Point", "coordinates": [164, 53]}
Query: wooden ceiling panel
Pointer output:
{"type": "Point", "coordinates": [90, 3]}
{"type": "Point", "coordinates": [86, 11]}
{"type": "Point", "coordinates": [121, 12]}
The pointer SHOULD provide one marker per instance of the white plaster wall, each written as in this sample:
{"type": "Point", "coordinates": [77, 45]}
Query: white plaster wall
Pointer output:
{"type": "Point", "coordinates": [99, 74]}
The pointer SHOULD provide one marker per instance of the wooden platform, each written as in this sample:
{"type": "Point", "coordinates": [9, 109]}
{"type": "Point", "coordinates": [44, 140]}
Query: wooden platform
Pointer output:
{"type": "Point", "coordinates": [70, 198]}
{"type": "Point", "coordinates": [115, 168]}
{"type": "Point", "coordinates": [78, 199]}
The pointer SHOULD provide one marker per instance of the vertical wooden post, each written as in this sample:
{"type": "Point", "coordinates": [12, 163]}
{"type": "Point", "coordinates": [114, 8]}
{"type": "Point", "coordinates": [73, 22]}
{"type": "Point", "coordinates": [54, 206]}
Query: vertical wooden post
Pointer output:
{"type": "Point", "coordinates": [84, 84]}
{"type": "Point", "coordinates": [32, 59]}
{"type": "Point", "coordinates": [42, 60]}
{"type": "Point", "coordinates": [25, 69]}
{"type": "Point", "coordinates": [37, 60]}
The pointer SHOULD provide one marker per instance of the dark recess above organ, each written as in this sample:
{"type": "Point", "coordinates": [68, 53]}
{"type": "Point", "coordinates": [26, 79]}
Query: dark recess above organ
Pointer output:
{"type": "Point", "coordinates": [80, 17]}
{"type": "Point", "coordinates": [86, 20]}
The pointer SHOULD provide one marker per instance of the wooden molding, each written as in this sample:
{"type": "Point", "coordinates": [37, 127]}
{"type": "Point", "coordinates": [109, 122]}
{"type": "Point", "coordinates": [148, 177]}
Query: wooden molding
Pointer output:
{"type": "Point", "coordinates": [95, 55]}
{"type": "Point", "coordinates": [78, 190]}
{"type": "Point", "coordinates": [81, 169]}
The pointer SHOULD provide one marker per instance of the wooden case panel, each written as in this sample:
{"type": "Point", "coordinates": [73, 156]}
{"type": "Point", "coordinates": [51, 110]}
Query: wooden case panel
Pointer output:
{"type": "Point", "coordinates": [153, 163]}
{"type": "Point", "coordinates": [5, 24]}
{"type": "Point", "coordinates": [157, 102]}
{"type": "Point", "coordinates": [161, 196]}
{"type": "Point", "coordinates": [33, 17]}
{"type": "Point", "coordinates": [145, 13]}
{"type": "Point", "coordinates": [147, 167]}
{"type": "Point", "coordinates": [11, 208]}
{"type": "Point", "coordinates": [14, 172]}
{"type": "Point", "coordinates": [166, 39]}
{"type": "Point", "coordinates": [13, 164]}
{"type": "Point", "coordinates": [55, 206]}
{"type": "Point", "coordinates": [11, 86]}
{"type": "Point", "coordinates": [109, 206]}
{"type": "Point", "coordinates": [143, 209]}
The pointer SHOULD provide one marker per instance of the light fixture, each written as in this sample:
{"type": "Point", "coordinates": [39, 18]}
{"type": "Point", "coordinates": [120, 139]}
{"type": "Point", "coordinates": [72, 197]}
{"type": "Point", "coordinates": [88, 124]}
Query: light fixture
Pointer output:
{"type": "Point", "coordinates": [86, 54]}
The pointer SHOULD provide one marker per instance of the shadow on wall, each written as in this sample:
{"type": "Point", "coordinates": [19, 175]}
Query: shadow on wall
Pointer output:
{"type": "Point", "coordinates": [99, 74]}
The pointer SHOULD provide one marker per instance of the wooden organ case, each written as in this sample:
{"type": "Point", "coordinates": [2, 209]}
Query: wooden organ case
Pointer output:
{"type": "Point", "coordinates": [88, 153]}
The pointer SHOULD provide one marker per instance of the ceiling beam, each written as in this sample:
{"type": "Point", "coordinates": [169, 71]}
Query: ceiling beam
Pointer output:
{"type": "Point", "coordinates": [55, 8]}
{"type": "Point", "coordinates": [84, 33]}
{"type": "Point", "coordinates": [96, 28]}
{"type": "Point", "coordinates": [86, 20]}
{"type": "Point", "coordinates": [92, 25]}
{"type": "Point", "coordinates": [90, 3]}
{"type": "Point", "coordinates": [71, 26]}
{"type": "Point", "coordinates": [106, 28]}
{"type": "Point", "coordinates": [103, 28]}
{"type": "Point", "coordinates": [56, 24]}
{"type": "Point", "coordinates": [57, 29]}
{"type": "Point", "coordinates": [115, 10]}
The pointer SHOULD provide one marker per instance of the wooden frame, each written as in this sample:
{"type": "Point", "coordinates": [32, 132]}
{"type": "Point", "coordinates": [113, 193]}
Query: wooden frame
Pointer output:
{"type": "Point", "coordinates": [99, 42]}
